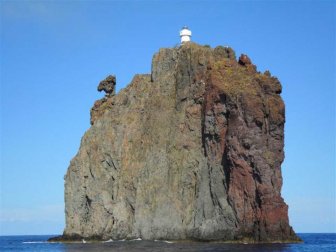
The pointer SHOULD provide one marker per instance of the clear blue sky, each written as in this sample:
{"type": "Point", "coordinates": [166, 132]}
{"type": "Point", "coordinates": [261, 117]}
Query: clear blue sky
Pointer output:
{"type": "Point", "coordinates": [54, 53]}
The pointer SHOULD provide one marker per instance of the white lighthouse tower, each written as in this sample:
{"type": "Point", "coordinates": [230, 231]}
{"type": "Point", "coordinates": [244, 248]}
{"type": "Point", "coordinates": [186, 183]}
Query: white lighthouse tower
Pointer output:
{"type": "Point", "coordinates": [185, 34]}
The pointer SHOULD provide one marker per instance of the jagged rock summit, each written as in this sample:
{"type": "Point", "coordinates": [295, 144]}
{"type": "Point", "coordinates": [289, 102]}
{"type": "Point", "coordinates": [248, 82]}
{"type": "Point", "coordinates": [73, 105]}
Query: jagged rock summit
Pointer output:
{"type": "Point", "coordinates": [191, 151]}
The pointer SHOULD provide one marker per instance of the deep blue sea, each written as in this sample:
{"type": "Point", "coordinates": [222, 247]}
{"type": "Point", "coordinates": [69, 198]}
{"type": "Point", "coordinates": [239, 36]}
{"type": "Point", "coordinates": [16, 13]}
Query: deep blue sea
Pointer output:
{"type": "Point", "coordinates": [312, 243]}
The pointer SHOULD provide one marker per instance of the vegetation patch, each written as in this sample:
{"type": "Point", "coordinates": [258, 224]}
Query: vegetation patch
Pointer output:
{"type": "Point", "coordinates": [232, 78]}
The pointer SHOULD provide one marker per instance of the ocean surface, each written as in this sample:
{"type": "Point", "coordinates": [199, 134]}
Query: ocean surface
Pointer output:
{"type": "Point", "coordinates": [36, 243]}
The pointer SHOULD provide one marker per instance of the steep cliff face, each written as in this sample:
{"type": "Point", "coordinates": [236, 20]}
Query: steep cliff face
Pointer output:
{"type": "Point", "coordinates": [191, 151]}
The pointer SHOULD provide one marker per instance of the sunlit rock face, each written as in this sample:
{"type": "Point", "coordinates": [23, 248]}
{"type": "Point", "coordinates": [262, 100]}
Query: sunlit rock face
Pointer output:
{"type": "Point", "coordinates": [191, 151]}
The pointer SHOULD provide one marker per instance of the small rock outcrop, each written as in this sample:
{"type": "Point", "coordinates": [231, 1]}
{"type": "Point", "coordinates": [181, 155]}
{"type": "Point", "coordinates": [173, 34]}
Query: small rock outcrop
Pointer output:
{"type": "Point", "coordinates": [244, 60]}
{"type": "Point", "coordinates": [108, 85]}
{"type": "Point", "coordinates": [192, 151]}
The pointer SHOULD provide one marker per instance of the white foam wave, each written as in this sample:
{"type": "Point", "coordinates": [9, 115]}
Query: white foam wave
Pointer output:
{"type": "Point", "coordinates": [110, 240]}
{"type": "Point", "coordinates": [163, 241]}
{"type": "Point", "coordinates": [137, 239]}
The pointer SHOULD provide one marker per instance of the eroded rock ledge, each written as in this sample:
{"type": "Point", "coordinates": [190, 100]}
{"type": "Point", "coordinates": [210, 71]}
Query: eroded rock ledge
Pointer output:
{"type": "Point", "coordinates": [191, 151]}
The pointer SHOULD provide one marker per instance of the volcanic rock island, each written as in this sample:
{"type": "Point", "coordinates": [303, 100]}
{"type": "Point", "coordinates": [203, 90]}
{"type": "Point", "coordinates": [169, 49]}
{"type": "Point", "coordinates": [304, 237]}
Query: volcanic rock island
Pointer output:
{"type": "Point", "coordinates": [191, 151]}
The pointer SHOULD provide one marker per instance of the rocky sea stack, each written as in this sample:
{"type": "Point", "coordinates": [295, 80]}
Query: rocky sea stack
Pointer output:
{"type": "Point", "coordinates": [192, 151]}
